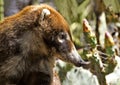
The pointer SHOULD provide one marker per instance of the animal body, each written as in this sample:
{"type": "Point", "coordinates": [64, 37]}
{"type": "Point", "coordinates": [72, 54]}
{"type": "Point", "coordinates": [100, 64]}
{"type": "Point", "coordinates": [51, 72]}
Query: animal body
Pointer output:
{"type": "Point", "coordinates": [29, 43]}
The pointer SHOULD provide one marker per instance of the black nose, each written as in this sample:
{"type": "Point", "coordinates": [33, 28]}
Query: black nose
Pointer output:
{"type": "Point", "coordinates": [82, 63]}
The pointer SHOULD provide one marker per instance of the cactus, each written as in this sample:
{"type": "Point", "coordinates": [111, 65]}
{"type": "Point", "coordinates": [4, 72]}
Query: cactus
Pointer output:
{"type": "Point", "coordinates": [98, 67]}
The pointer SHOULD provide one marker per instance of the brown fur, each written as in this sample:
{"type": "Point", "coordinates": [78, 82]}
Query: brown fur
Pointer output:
{"type": "Point", "coordinates": [29, 44]}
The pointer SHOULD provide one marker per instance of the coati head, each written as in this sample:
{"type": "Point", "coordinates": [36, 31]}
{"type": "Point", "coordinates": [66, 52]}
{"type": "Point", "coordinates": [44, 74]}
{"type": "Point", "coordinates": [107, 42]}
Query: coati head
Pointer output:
{"type": "Point", "coordinates": [57, 35]}
{"type": "Point", "coordinates": [54, 33]}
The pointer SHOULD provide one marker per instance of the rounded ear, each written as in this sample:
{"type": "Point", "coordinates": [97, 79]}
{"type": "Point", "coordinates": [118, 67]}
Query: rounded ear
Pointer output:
{"type": "Point", "coordinates": [45, 12]}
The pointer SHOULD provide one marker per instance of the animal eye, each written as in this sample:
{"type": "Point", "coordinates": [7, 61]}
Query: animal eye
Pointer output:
{"type": "Point", "coordinates": [62, 36]}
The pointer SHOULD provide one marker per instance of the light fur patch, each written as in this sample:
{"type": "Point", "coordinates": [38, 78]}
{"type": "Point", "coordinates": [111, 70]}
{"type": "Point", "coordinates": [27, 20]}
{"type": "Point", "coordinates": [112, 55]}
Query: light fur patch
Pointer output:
{"type": "Point", "coordinates": [45, 12]}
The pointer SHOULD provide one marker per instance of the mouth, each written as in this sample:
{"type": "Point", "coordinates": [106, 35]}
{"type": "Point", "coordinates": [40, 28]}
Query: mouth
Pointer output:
{"type": "Point", "coordinates": [76, 59]}
{"type": "Point", "coordinates": [73, 57]}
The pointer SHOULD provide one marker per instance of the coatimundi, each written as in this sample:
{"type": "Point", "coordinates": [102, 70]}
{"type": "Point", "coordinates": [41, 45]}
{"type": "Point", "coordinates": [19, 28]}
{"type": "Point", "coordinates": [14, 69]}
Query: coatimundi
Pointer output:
{"type": "Point", "coordinates": [29, 42]}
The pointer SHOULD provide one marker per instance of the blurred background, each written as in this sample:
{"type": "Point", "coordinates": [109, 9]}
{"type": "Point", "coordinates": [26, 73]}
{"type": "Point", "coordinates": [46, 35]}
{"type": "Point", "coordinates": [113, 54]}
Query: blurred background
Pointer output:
{"type": "Point", "coordinates": [95, 29]}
